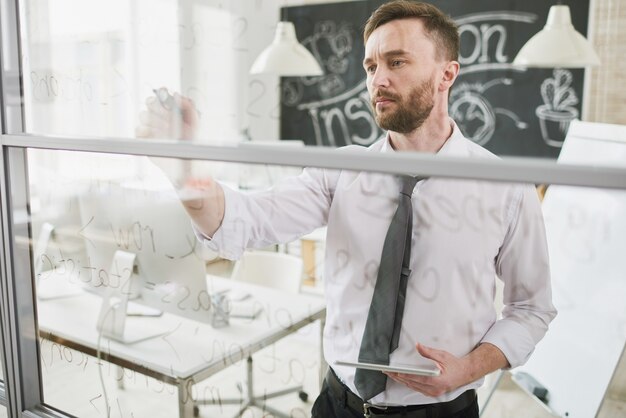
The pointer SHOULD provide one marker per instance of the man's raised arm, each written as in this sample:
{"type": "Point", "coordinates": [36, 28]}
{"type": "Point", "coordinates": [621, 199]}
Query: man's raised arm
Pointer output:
{"type": "Point", "coordinates": [175, 117]}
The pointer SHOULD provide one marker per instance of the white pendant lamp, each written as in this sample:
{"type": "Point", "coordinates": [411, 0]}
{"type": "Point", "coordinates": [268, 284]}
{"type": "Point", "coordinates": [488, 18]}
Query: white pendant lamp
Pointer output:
{"type": "Point", "coordinates": [286, 56]}
{"type": "Point", "coordinates": [557, 45]}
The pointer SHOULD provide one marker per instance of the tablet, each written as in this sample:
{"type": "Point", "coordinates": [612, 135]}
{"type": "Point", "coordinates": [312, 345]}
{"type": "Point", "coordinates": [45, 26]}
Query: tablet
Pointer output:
{"type": "Point", "coordinates": [397, 368]}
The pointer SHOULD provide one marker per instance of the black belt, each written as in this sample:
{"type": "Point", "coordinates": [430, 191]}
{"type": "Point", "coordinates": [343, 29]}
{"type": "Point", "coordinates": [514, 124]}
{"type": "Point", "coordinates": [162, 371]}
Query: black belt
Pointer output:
{"type": "Point", "coordinates": [433, 410]}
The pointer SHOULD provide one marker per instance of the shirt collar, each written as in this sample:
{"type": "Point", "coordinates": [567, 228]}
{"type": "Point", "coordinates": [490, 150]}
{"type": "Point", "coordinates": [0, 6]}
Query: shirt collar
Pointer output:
{"type": "Point", "coordinates": [454, 145]}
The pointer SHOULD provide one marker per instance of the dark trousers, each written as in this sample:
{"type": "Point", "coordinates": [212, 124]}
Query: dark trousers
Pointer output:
{"type": "Point", "coordinates": [327, 405]}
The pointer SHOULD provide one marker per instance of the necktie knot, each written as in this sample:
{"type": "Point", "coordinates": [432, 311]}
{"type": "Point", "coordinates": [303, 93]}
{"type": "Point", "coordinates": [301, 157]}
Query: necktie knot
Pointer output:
{"type": "Point", "coordinates": [408, 184]}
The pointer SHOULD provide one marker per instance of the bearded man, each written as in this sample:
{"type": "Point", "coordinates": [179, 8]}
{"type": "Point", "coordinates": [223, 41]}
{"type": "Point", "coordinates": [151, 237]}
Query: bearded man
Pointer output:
{"type": "Point", "coordinates": [458, 236]}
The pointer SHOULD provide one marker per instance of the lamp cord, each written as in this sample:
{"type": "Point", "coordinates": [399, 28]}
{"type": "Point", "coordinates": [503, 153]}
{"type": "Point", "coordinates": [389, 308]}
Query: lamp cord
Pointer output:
{"type": "Point", "coordinates": [283, 12]}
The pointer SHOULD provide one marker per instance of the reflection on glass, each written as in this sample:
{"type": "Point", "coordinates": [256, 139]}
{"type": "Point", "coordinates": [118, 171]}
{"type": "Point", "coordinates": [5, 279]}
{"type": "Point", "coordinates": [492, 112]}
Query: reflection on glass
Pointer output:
{"type": "Point", "coordinates": [122, 280]}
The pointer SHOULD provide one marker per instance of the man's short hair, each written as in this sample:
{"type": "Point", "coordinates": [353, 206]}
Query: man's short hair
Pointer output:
{"type": "Point", "coordinates": [440, 27]}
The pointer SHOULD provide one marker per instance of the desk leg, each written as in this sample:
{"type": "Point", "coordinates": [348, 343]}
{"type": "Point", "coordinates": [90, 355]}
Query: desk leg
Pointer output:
{"type": "Point", "coordinates": [323, 364]}
{"type": "Point", "coordinates": [185, 403]}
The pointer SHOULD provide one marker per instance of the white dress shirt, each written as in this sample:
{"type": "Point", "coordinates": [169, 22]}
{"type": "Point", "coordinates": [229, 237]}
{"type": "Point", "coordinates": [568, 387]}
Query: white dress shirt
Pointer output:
{"type": "Point", "coordinates": [465, 233]}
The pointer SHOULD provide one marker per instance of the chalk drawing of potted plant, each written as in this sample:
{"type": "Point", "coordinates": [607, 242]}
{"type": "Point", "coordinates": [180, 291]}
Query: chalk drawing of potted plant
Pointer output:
{"type": "Point", "coordinates": [558, 109]}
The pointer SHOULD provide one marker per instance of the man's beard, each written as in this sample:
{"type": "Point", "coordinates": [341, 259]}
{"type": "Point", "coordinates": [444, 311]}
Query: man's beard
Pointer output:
{"type": "Point", "coordinates": [409, 115]}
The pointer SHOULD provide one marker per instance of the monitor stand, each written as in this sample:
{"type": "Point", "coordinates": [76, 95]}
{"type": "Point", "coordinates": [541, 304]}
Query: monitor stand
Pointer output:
{"type": "Point", "coordinates": [51, 284]}
{"type": "Point", "coordinates": [112, 321]}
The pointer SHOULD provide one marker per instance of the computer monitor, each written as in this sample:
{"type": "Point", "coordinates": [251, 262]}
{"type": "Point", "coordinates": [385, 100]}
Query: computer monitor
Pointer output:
{"type": "Point", "coordinates": [57, 248]}
{"type": "Point", "coordinates": [141, 249]}
{"type": "Point", "coordinates": [53, 278]}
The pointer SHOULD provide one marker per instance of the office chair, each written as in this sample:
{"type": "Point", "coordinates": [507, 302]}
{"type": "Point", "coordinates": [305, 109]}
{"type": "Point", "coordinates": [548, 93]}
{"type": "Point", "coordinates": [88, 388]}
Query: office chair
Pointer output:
{"type": "Point", "coordinates": [278, 271]}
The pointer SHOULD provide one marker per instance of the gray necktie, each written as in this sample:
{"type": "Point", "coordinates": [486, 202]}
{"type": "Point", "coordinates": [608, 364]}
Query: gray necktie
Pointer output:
{"type": "Point", "coordinates": [382, 329]}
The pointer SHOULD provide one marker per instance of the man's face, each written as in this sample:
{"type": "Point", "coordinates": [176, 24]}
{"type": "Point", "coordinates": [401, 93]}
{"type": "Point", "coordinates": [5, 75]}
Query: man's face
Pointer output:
{"type": "Point", "coordinates": [400, 64]}
{"type": "Point", "coordinates": [410, 111]}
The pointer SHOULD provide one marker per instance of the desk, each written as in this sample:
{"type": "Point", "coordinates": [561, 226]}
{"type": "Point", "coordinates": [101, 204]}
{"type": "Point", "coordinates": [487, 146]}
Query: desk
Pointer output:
{"type": "Point", "coordinates": [190, 351]}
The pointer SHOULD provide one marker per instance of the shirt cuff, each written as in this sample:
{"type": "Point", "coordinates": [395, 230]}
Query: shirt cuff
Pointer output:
{"type": "Point", "coordinates": [512, 339]}
{"type": "Point", "coordinates": [228, 241]}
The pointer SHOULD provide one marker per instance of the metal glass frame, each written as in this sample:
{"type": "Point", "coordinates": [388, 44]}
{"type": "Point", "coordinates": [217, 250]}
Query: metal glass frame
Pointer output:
{"type": "Point", "coordinates": [21, 392]}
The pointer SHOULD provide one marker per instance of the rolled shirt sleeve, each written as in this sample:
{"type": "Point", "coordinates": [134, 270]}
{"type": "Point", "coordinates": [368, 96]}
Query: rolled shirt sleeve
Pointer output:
{"type": "Point", "coordinates": [523, 265]}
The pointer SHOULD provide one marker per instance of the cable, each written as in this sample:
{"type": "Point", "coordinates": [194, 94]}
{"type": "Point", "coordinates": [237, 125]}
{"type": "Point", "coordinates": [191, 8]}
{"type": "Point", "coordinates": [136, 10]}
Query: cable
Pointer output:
{"type": "Point", "coordinates": [98, 355]}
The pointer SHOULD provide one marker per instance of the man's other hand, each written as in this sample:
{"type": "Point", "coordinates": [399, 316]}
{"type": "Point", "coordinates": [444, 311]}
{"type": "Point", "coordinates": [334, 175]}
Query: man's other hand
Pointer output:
{"type": "Point", "coordinates": [454, 373]}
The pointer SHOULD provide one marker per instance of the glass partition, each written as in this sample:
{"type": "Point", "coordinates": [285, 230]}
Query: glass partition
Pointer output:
{"type": "Point", "coordinates": [136, 315]}
{"type": "Point", "coordinates": [139, 314]}
{"type": "Point", "coordinates": [89, 67]}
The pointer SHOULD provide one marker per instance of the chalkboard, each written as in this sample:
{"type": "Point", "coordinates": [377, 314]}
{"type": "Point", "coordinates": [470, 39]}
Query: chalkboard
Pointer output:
{"type": "Point", "coordinates": [508, 110]}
